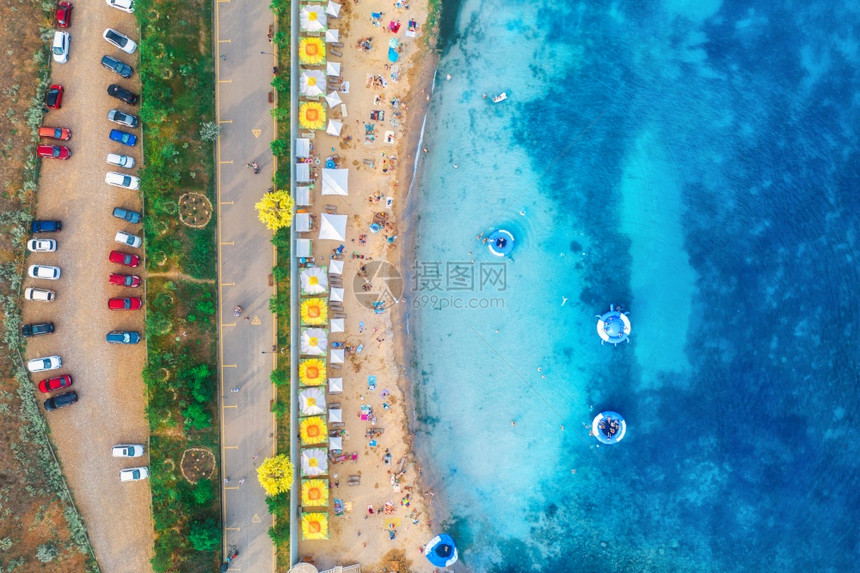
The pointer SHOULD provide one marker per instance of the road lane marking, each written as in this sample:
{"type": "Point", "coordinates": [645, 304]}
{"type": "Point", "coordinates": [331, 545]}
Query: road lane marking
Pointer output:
{"type": "Point", "coordinates": [228, 284]}
{"type": "Point", "coordinates": [231, 324]}
{"type": "Point", "coordinates": [225, 41]}
{"type": "Point", "coordinates": [225, 82]}
{"type": "Point", "coordinates": [256, 133]}
{"type": "Point", "coordinates": [226, 203]}
{"type": "Point", "coordinates": [256, 321]}
{"type": "Point", "coordinates": [226, 162]}
{"type": "Point", "coordinates": [231, 243]}
{"type": "Point", "coordinates": [225, 121]}
{"type": "Point", "coordinates": [233, 406]}
{"type": "Point", "coordinates": [233, 528]}
{"type": "Point", "coordinates": [228, 366]}
{"type": "Point", "coordinates": [231, 447]}
{"type": "Point", "coordinates": [256, 519]}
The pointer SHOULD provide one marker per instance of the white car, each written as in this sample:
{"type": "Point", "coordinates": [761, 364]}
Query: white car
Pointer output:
{"type": "Point", "coordinates": [121, 41]}
{"type": "Point", "coordinates": [41, 245]}
{"type": "Point", "coordinates": [39, 294]}
{"type": "Point", "coordinates": [134, 474]}
{"type": "Point", "coordinates": [127, 450]}
{"type": "Point", "coordinates": [122, 180]}
{"type": "Point", "coordinates": [44, 272]}
{"type": "Point", "coordinates": [128, 239]}
{"type": "Point", "coordinates": [60, 47]}
{"type": "Point", "coordinates": [120, 160]}
{"type": "Point", "coordinates": [45, 363]}
{"type": "Point", "coordinates": [124, 5]}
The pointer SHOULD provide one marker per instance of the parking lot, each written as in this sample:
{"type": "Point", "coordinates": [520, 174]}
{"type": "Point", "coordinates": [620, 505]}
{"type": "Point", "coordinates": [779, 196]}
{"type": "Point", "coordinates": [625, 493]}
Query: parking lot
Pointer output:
{"type": "Point", "coordinates": [107, 377]}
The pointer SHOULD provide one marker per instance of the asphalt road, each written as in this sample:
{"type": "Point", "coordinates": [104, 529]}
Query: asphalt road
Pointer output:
{"type": "Point", "coordinates": [107, 377]}
{"type": "Point", "coordinates": [246, 258]}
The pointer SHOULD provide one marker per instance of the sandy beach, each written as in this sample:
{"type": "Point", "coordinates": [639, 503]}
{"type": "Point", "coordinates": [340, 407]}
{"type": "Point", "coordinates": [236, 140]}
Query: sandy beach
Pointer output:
{"type": "Point", "coordinates": [386, 522]}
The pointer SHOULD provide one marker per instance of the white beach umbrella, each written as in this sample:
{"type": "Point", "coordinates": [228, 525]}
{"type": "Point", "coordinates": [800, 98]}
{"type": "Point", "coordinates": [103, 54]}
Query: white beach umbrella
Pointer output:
{"type": "Point", "coordinates": [314, 462]}
{"type": "Point", "coordinates": [332, 69]}
{"type": "Point", "coordinates": [312, 401]}
{"type": "Point", "coordinates": [335, 267]}
{"type": "Point", "coordinates": [337, 325]}
{"type": "Point", "coordinates": [312, 19]}
{"type": "Point", "coordinates": [314, 280]}
{"type": "Point", "coordinates": [314, 341]}
{"type": "Point", "coordinates": [333, 9]}
{"type": "Point", "coordinates": [332, 35]}
{"type": "Point", "coordinates": [335, 385]}
{"type": "Point", "coordinates": [335, 182]}
{"type": "Point", "coordinates": [332, 100]}
{"type": "Point", "coordinates": [335, 444]}
{"type": "Point", "coordinates": [335, 415]}
{"type": "Point", "coordinates": [336, 295]}
{"type": "Point", "coordinates": [312, 83]}
{"type": "Point", "coordinates": [333, 227]}
{"type": "Point", "coordinates": [334, 127]}
{"type": "Point", "coordinates": [303, 222]}
{"type": "Point", "coordinates": [337, 355]}
{"type": "Point", "coordinates": [303, 196]}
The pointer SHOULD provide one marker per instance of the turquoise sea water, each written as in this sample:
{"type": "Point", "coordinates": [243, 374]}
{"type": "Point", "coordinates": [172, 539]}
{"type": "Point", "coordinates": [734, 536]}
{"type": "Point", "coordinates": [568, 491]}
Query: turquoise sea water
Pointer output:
{"type": "Point", "coordinates": [696, 162]}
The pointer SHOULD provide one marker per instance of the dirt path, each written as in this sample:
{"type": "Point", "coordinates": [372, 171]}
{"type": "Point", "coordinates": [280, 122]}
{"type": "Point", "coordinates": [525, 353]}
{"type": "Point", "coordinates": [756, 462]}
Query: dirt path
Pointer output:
{"type": "Point", "coordinates": [106, 377]}
{"type": "Point", "coordinates": [179, 276]}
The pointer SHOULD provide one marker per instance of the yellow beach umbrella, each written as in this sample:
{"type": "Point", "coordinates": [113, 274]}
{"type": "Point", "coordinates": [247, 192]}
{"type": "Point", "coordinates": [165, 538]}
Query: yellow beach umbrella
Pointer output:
{"type": "Point", "coordinates": [312, 372]}
{"type": "Point", "coordinates": [314, 493]}
{"type": "Point", "coordinates": [314, 312]}
{"type": "Point", "coordinates": [312, 115]}
{"type": "Point", "coordinates": [313, 430]}
{"type": "Point", "coordinates": [314, 526]}
{"type": "Point", "coordinates": [312, 51]}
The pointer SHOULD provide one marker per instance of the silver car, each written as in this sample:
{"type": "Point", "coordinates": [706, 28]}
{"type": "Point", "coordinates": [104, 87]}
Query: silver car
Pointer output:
{"type": "Point", "coordinates": [44, 364]}
{"type": "Point", "coordinates": [60, 47]}
{"type": "Point", "coordinates": [128, 239]}
{"type": "Point", "coordinates": [39, 294]}
{"type": "Point", "coordinates": [121, 41]}
{"type": "Point", "coordinates": [44, 272]}
{"type": "Point", "coordinates": [127, 450]}
{"type": "Point", "coordinates": [122, 180]}
{"type": "Point", "coordinates": [134, 474]}
{"type": "Point", "coordinates": [41, 245]}
{"type": "Point", "coordinates": [120, 160]}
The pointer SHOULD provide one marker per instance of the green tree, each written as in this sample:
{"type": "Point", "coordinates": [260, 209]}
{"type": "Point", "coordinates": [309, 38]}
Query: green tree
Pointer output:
{"type": "Point", "coordinates": [205, 535]}
{"type": "Point", "coordinates": [280, 377]}
{"type": "Point", "coordinates": [197, 417]}
{"type": "Point", "coordinates": [280, 147]}
{"type": "Point", "coordinates": [203, 492]}
{"type": "Point", "coordinates": [281, 84]}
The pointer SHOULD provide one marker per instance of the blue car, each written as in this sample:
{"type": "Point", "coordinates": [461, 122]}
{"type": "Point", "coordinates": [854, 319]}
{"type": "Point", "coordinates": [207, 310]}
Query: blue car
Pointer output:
{"type": "Point", "coordinates": [123, 337]}
{"type": "Point", "coordinates": [123, 137]}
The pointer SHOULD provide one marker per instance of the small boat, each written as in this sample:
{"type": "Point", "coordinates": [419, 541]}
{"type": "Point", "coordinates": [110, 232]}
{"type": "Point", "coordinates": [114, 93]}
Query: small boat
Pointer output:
{"type": "Point", "coordinates": [501, 97]}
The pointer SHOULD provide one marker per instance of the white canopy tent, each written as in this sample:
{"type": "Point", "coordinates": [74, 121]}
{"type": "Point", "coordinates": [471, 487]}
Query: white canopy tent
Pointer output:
{"type": "Point", "coordinates": [303, 247]}
{"type": "Point", "coordinates": [312, 83]}
{"type": "Point", "coordinates": [332, 35]}
{"type": "Point", "coordinates": [314, 462]}
{"type": "Point", "coordinates": [337, 356]}
{"type": "Point", "coordinates": [303, 196]}
{"type": "Point", "coordinates": [333, 227]}
{"type": "Point", "coordinates": [337, 325]}
{"type": "Point", "coordinates": [335, 444]}
{"type": "Point", "coordinates": [333, 9]}
{"type": "Point", "coordinates": [335, 415]}
{"type": "Point", "coordinates": [312, 19]}
{"type": "Point", "coordinates": [314, 342]}
{"type": "Point", "coordinates": [332, 69]}
{"type": "Point", "coordinates": [332, 100]}
{"type": "Point", "coordinates": [312, 401]}
{"type": "Point", "coordinates": [303, 172]}
{"type": "Point", "coordinates": [334, 127]}
{"type": "Point", "coordinates": [335, 385]}
{"type": "Point", "coordinates": [335, 182]}
{"type": "Point", "coordinates": [335, 267]}
{"type": "Point", "coordinates": [336, 295]}
{"type": "Point", "coordinates": [303, 222]}
{"type": "Point", "coordinates": [303, 147]}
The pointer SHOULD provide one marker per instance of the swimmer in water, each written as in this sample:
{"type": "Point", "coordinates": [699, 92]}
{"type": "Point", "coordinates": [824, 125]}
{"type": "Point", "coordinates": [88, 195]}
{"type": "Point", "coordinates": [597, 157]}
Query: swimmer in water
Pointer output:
{"type": "Point", "coordinates": [563, 300]}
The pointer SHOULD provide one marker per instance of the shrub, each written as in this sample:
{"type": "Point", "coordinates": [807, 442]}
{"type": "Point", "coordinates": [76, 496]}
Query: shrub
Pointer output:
{"type": "Point", "coordinates": [6, 544]}
{"type": "Point", "coordinates": [46, 552]}
{"type": "Point", "coordinates": [205, 535]}
{"type": "Point", "coordinates": [280, 533]}
{"type": "Point", "coordinates": [278, 503]}
{"type": "Point", "coordinates": [281, 178]}
{"type": "Point", "coordinates": [281, 238]}
{"type": "Point", "coordinates": [281, 84]}
{"type": "Point", "coordinates": [197, 417]}
{"type": "Point", "coordinates": [280, 409]}
{"type": "Point", "coordinates": [209, 131]}
{"type": "Point", "coordinates": [203, 493]}
{"type": "Point", "coordinates": [206, 305]}
{"type": "Point", "coordinates": [280, 147]}
{"type": "Point", "coordinates": [280, 377]}
{"type": "Point", "coordinates": [280, 273]}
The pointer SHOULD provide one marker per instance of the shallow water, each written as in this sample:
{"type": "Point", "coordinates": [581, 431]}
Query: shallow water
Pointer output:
{"type": "Point", "coordinates": [698, 163]}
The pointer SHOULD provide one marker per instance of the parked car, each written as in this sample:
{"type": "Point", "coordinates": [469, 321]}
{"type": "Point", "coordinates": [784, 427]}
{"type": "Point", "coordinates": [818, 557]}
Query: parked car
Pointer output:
{"type": "Point", "coordinates": [53, 151]}
{"type": "Point", "coordinates": [54, 97]}
{"type": "Point", "coordinates": [120, 160]}
{"type": "Point", "coordinates": [56, 383]}
{"type": "Point", "coordinates": [124, 280]}
{"type": "Point", "coordinates": [61, 400]}
{"type": "Point", "coordinates": [134, 474]}
{"type": "Point", "coordinates": [45, 226]}
{"type": "Point", "coordinates": [124, 5]}
{"type": "Point", "coordinates": [123, 94]}
{"type": "Point", "coordinates": [60, 47]}
{"type": "Point", "coordinates": [64, 14]}
{"type": "Point", "coordinates": [123, 118]}
{"type": "Point", "coordinates": [41, 245]}
{"type": "Point", "coordinates": [125, 303]}
{"type": "Point", "coordinates": [44, 364]}
{"type": "Point", "coordinates": [128, 239]}
{"type": "Point", "coordinates": [37, 329]}
{"type": "Point", "coordinates": [44, 272]}
{"type": "Point", "coordinates": [122, 180]}
{"type": "Point", "coordinates": [60, 133]}
{"type": "Point", "coordinates": [123, 337]}
{"type": "Point", "coordinates": [121, 41]}
{"type": "Point", "coordinates": [117, 66]}
{"type": "Point", "coordinates": [127, 450]}
{"type": "Point", "coordinates": [126, 215]}
{"type": "Point", "coordinates": [39, 294]}
{"type": "Point", "coordinates": [126, 259]}
{"type": "Point", "coordinates": [123, 137]}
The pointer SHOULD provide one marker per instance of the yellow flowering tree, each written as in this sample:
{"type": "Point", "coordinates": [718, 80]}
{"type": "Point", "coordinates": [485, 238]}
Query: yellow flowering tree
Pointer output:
{"type": "Point", "coordinates": [275, 209]}
{"type": "Point", "coordinates": [276, 474]}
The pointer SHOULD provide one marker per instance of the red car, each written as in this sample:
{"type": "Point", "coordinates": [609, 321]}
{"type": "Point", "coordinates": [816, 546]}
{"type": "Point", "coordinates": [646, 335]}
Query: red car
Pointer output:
{"type": "Point", "coordinates": [51, 384]}
{"type": "Point", "coordinates": [54, 151]}
{"type": "Point", "coordinates": [60, 133]}
{"type": "Point", "coordinates": [125, 303]}
{"type": "Point", "coordinates": [125, 280]}
{"type": "Point", "coordinates": [54, 97]}
{"type": "Point", "coordinates": [64, 14]}
{"type": "Point", "coordinates": [126, 259]}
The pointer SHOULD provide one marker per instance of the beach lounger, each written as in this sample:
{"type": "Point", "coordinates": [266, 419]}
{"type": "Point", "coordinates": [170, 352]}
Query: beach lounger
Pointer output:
{"type": "Point", "coordinates": [339, 315]}
{"type": "Point", "coordinates": [334, 366]}
{"type": "Point", "coordinates": [336, 44]}
{"type": "Point", "coordinates": [335, 52]}
{"type": "Point", "coordinates": [343, 113]}
{"type": "Point", "coordinates": [331, 209]}
{"type": "Point", "coordinates": [354, 480]}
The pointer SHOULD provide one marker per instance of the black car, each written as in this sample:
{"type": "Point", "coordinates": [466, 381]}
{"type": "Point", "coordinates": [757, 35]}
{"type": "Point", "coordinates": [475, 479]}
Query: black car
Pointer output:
{"type": "Point", "coordinates": [42, 226]}
{"type": "Point", "coordinates": [117, 66]}
{"type": "Point", "coordinates": [61, 400]}
{"type": "Point", "coordinates": [37, 329]}
{"type": "Point", "coordinates": [126, 215]}
{"type": "Point", "coordinates": [123, 337]}
{"type": "Point", "coordinates": [122, 94]}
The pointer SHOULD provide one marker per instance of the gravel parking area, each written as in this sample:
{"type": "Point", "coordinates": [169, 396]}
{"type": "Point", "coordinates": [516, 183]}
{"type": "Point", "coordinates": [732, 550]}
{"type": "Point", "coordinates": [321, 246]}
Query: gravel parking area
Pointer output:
{"type": "Point", "coordinates": [106, 377]}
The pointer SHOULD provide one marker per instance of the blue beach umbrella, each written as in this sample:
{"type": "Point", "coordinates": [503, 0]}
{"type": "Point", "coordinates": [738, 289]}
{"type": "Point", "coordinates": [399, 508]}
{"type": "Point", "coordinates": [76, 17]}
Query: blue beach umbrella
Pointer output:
{"type": "Point", "coordinates": [441, 551]}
